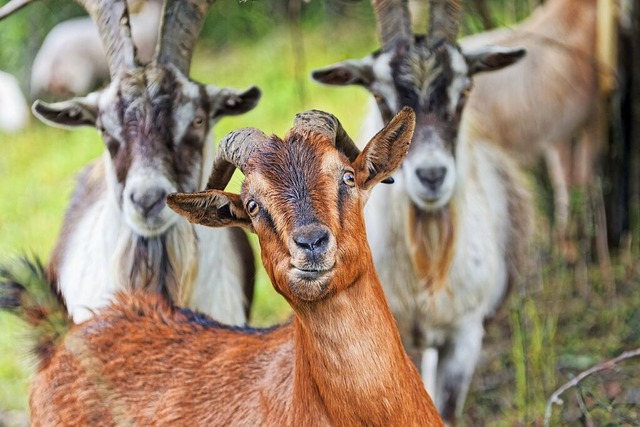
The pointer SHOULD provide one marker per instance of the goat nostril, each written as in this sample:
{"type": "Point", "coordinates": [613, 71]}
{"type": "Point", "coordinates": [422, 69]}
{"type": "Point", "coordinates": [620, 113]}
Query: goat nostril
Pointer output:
{"type": "Point", "coordinates": [432, 177]}
{"type": "Point", "coordinates": [150, 202]}
{"type": "Point", "coordinates": [312, 240]}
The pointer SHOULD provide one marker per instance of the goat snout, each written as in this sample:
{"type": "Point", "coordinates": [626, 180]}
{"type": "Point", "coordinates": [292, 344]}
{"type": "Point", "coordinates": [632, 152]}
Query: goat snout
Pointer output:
{"type": "Point", "coordinates": [313, 250]}
{"type": "Point", "coordinates": [312, 239]}
{"type": "Point", "coordinates": [432, 177]}
{"type": "Point", "coordinates": [149, 203]}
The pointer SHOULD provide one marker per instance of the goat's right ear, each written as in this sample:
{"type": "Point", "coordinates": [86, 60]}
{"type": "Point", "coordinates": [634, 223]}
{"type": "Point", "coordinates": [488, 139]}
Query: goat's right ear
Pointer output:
{"type": "Point", "coordinates": [350, 72]}
{"type": "Point", "coordinates": [72, 113]}
{"type": "Point", "coordinates": [213, 208]}
{"type": "Point", "coordinates": [386, 151]}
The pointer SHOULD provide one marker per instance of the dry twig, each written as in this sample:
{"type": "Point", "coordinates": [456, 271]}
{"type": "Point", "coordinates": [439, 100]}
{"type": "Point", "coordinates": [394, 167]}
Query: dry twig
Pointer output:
{"type": "Point", "coordinates": [608, 364]}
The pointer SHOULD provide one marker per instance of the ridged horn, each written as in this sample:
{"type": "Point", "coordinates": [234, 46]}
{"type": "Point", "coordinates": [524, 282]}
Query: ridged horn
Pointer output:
{"type": "Point", "coordinates": [12, 7]}
{"type": "Point", "coordinates": [393, 22]}
{"type": "Point", "coordinates": [444, 19]}
{"type": "Point", "coordinates": [327, 124]}
{"type": "Point", "coordinates": [181, 24]}
{"type": "Point", "coordinates": [234, 152]}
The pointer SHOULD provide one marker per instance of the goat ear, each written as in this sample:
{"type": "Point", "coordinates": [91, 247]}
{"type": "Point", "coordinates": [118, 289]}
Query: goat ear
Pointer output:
{"type": "Point", "coordinates": [230, 102]}
{"type": "Point", "coordinates": [492, 58]}
{"type": "Point", "coordinates": [350, 72]}
{"type": "Point", "coordinates": [213, 208]}
{"type": "Point", "coordinates": [72, 113]}
{"type": "Point", "coordinates": [386, 151]}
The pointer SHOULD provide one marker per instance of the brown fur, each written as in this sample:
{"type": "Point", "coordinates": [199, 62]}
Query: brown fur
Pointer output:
{"type": "Point", "coordinates": [338, 362]}
{"type": "Point", "coordinates": [549, 96]}
{"type": "Point", "coordinates": [431, 238]}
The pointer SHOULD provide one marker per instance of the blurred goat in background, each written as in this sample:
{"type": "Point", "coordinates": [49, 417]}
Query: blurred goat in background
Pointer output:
{"type": "Point", "coordinates": [72, 59]}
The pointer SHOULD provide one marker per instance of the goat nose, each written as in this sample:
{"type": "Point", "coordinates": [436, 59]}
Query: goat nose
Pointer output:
{"type": "Point", "coordinates": [313, 239]}
{"type": "Point", "coordinates": [432, 177]}
{"type": "Point", "coordinates": [150, 202]}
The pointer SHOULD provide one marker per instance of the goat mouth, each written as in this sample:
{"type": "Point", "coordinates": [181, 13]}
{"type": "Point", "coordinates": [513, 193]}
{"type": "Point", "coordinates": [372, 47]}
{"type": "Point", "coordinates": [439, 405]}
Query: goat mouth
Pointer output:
{"type": "Point", "coordinates": [310, 273]}
{"type": "Point", "coordinates": [153, 227]}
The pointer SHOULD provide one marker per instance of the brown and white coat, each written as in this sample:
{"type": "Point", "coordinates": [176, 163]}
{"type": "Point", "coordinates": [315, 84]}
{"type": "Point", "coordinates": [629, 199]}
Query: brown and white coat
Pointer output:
{"type": "Point", "coordinates": [155, 122]}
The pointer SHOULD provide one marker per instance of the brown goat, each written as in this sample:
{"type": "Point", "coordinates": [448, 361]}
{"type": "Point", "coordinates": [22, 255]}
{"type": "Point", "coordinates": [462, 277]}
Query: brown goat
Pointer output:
{"type": "Point", "coordinates": [536, 106]}
{"type": "Point", "coordinates": [340, 360]}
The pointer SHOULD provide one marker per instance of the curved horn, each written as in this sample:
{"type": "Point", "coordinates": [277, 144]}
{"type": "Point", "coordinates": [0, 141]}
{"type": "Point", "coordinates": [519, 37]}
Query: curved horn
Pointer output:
{"type": "Point", "coordinates": [327, 124]}
{"type": "Point", "coordinates": [234, 151]}
{"type": "Point", "coordinates": [181, 24]}
{"type": "Point", "coordinates": [12, 6]}
{"type": "Point", "coordinates": [393, 22]}
{"type": "Point", "coordinates": [112, 19]}
{"type": "Point", "coordinates": [444, 19]}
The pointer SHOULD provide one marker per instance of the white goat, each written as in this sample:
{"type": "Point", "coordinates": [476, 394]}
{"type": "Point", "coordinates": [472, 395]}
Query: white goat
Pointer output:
{"type": "Point", "coordinates": [539, 104]}
{"type": "Point", "coordinates": [118, 232]}
{"type": "Point", "coordinates": [452, 232]}
{"type": "Point", "coordinates": [14, 112]}
{"type": "Point", "coordinates": [72, 60]}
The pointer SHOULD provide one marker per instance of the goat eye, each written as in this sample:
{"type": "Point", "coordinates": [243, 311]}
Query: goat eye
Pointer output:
{"type": "Point", "coordinates": [349, 179]}
{"type": "Point", "coordinates": [252, 207]}
{"type": "Point", "coordinates": [198, 122]}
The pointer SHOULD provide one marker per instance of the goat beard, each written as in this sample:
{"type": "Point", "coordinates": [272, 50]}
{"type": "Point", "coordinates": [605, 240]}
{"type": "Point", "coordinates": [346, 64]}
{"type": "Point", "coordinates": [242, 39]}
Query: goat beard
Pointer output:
{"type": "Point", "coordinates": [431, 242]}
{"type": "Point", "coordinates": [166, 264]}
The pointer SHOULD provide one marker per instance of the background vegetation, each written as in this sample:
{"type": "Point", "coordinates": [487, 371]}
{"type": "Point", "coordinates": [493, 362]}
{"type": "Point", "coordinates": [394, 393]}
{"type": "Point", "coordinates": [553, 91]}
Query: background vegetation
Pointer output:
{"type": "Point", "coordinates": [562, 320]}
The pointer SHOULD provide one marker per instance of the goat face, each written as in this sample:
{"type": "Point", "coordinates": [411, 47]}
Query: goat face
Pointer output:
{"type": "Point", "coordinates": [304, 199]}
{"type": "Point", "coordinates": [433, 78]}
{"type": "Point", "coordinates": [154, 123]}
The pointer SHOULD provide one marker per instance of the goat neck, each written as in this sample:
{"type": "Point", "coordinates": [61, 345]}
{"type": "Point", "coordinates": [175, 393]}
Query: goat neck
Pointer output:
{"type": "Point", "coordinates": [352, 336]}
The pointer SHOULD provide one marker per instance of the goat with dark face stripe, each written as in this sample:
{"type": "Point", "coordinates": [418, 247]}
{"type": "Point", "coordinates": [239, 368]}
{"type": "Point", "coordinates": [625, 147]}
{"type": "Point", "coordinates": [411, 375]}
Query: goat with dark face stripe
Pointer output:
{"type": "Point", "coordinates": [155, 122]}
{"type": "Point", "coordinates": [450, 235]}
{"type": "Point", "coordinates": [339, 362]}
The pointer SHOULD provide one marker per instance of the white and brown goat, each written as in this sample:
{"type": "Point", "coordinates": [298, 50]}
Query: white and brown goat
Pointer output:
{"type": "Point", "coordinates": [72, 60]}
{"type": "Point", "coordinates": [340, 361]}
{"type": "Point", "coordinates": [537, 106]}
{"type": "Point", "coordinates": [118, 232]}
{"type": "Point", "coordinates": [449, 236]}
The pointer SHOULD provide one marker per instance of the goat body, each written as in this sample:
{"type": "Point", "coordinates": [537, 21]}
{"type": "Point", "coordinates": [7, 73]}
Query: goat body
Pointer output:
{"type": "Point", "coordinates": [155, 122]}
{"type": "Point", "coordinates": [340, 361]}
{"type": "Point", "coordinates": [209, 269]}
{"type": "Point", "coordinates": [539, 104]}
{"type": "Point", "coordinates": [445, 272]}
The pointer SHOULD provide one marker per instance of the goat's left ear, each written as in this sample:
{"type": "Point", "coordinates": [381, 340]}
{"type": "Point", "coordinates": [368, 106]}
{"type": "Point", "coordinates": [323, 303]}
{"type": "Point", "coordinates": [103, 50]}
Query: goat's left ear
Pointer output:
{"type": "Point", "coordinates": [213, 208]}
{"type": "Point", "coordinates": [230, 102]}
{"type": "Point", "coordinates": [492, 58]}
{"type": "Point", "coordinates": [386, 151]}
